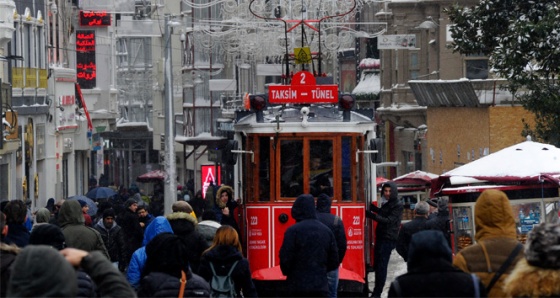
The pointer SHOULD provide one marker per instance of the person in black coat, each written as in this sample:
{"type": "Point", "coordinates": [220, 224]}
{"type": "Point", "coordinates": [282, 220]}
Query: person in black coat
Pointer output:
{"type": "Point", "coordinates": [223, 253]}
{"type": "Point", "coordinates": [165, 263]}
{"type": "Point", "coordinates": [441, 220]}
{"type": "Point", "coordinates": [184, 226]}
{"type": "Point", "coordinates": [337, 227]}
{"type": "Point", "coordinates": [113, 238]}
{"type": "Point", "coordinates": [133, 233]}
{"type": "Point", "coordinates": [308, 251]}
{"type": "Point", "coordinates": [388, 218]}
{"type": "Point", "coordinates": [417, 224]}
{"type": "Point", "coordinates": [431, 273]}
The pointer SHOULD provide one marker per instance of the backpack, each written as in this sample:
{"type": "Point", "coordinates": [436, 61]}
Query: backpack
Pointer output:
{"type": "Point", "coordinates": [222, 285]}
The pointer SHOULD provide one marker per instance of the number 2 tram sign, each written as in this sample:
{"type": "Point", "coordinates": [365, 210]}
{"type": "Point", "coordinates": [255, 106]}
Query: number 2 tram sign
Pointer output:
{"type": "Point", "coordinates": [304, 89]}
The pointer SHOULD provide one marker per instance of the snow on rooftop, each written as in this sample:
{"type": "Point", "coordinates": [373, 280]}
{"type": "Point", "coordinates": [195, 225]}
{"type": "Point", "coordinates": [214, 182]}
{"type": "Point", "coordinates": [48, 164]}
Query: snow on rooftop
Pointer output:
{"type": "Point", "coordinates": [526, 159]}
{"type": "Point", "coordinates": [369, 83]}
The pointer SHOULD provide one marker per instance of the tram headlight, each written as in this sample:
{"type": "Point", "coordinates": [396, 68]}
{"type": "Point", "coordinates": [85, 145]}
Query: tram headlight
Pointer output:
{"type": "Point", "coordinates": [346, 103]}
{"type": "Point", "coordinates": [258, 105]}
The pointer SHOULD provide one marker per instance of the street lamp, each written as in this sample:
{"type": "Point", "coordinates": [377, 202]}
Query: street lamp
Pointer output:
{"type": "Point", "coordinates": [171, 181]}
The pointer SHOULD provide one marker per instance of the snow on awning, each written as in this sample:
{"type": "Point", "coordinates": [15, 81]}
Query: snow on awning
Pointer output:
{"type": "Point", "coordinates": [370, 83]}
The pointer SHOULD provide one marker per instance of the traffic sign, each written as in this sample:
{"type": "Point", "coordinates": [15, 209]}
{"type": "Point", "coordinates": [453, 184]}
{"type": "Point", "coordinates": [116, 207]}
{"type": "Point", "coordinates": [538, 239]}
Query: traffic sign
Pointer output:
{"type": "Point", "coordinates": [303, 90]}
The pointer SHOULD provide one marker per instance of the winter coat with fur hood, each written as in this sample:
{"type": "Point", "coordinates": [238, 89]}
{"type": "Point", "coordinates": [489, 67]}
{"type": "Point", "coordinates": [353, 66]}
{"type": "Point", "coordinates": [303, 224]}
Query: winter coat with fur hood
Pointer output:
{"type": "Point", "coordinates": [184, 226]}
{"type": "Point", "coordinates": [231, 205]}
{"type": "Point", "coordinates": [531, 281]}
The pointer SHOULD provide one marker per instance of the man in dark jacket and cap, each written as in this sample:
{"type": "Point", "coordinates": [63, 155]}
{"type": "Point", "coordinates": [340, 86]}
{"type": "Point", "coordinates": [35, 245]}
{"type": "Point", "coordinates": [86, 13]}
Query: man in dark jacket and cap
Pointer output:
{"type": "Point", "coordinates": [441, 220]}
{"type": "Point", "coordinates": [337, 227]}
{"type": "Point", "coordinates": [76, 233]}
{"type": "Point", "coordinates": [112, 238]}
{"type": "Point", "coordinates": [308, 251]}
{"type": "Point", "coordinates": [388, 218]}
{"type": "Point", "coordinates": [431, 273]}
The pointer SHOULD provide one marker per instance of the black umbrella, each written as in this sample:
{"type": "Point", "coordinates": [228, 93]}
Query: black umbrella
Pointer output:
{"type": "Point", "coordinates": [100, 193]}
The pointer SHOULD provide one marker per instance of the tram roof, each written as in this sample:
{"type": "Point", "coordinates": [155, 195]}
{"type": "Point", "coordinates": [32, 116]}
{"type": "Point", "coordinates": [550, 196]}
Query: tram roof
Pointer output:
{"type": "Point", "coordinates": [320, 119]}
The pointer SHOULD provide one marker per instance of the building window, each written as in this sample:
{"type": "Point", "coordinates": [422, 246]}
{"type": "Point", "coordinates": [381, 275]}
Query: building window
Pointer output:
{"type": "Point", "coordinates": [476, 69]}
{"type": "Point", "coordinates": [414, 66]}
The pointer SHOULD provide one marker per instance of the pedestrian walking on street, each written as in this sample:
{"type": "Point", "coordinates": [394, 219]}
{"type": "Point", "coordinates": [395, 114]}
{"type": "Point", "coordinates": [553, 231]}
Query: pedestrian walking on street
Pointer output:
{"type": "Point", "coordinates": [8, 253]}
{"type": "Point", "coordinates": [42, 271]}
{"type": "Point", "coordinates": [441, 220]}
{"type": "Point", "coordinates": [75, 232]}
{"type": "Point", "coordinates": [42, 217]}
{"type": "Point", "coordinates": [224, 253]}
{"type": "Point", "coordinates": [431, 273]}
{"type": "Point", "coordinates": [225, 207]}
{"type": "Point", "coordinates": [433, 208]}
{"type": "Point", "coordinates": [184, 226]}
{"type": "Point", "coordinates": [159, 225]}
{"type": "Point", "coordinates": [308, 251]}
{"type": "Point", "coordinates": [496, 243]}
{"type": "Point", "coordinates": [417, 224]}
{"type": "Point", "coordinates": [144, 217]}
{"type": "Point", "coordinates": [167, 270]}
{"type": "Point", "coordinates": [52, 236]}
{"type": "Point", "coordinates": [112, 236]}
{"type": "Point", "coordinates": [538, 274]}
{"type": "Point", "coordinates": [16, 216]}
{"type": "Point", "coordinates": [133, 232]}
{"type": "Point", "coordinates": [208, 226]}
{"type": "Point", "coordinates": [388, 218]}
{"type": "Point", "coordinates": [337, 227]}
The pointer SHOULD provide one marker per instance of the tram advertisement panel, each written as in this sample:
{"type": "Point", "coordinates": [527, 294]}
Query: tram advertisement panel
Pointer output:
{"type": "Point", "coordinates": [353, 218]}
{"type": "Point", "coordinates": [258, 237]}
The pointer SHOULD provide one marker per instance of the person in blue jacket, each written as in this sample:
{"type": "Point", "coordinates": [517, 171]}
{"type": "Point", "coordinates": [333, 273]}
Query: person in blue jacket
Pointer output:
{"type": "Point", "coordinates": [159, 225]}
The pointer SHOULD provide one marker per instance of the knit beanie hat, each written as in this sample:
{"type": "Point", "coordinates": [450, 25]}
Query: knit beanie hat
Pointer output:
{"type": "Point", "coordinates": [109, 213]}
{"type": "Point", "coordinates": [542, 248]}
{"type": "Point", "coordinates": [48, 234]}
{"type": "Point", "coordinates": [129, 202]}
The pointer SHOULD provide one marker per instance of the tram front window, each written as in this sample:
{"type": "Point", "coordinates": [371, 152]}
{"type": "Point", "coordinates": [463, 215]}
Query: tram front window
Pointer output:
{"type": "Point", "coordinates": [291, 168]}
{"type": "Point", "coordinates": [320, 167]}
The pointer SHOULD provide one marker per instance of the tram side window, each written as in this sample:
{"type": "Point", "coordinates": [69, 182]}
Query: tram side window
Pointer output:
{"type": "Point", "coordinates": [264, 169]}
{"type": "Point", "coordinates": [291, 168]}
{"type": "Point", "coordinates": [320, 167]}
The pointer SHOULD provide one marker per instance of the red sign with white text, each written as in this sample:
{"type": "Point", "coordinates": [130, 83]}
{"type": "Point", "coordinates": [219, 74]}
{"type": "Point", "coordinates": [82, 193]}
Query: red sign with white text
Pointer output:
{"type": "Point", "coordinates": [304, 89]}
{"type": "Point", "coordinates": [258, 237]}
{"type": "Point", "coordinates": [210, 173]}
{"type": "Point", "coordinates": [353, 219]}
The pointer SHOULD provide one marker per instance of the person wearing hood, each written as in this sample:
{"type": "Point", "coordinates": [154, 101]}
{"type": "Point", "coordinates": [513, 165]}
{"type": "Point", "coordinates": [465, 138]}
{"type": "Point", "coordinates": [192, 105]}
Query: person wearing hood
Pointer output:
{"type": "Point", "coordinates": [308, 251]}
{"type": "Point", "coordinates": [159, 225]}
{"type": "Point", "coordinates": [113, 239]}
{"type": "Point", "coordinates": [441, 220]}
{"type": "Point", "coordinates": [224, 253]}
{"type": "Point", "coordinates": [184, 226]}
{"type": "Point", "coordinates": [388, 218]}
{"type": "Point", "coordinates": [431, 273]}
{"type": "Point", "coordinates": [225, 207]}
{"type": "Point", "coordinates": [496, 239]}
{"type": "Point", "coordinates": [165, 264]}
{"type": "Point", "coordinates": [337, 227]}
{"type": "Point", "coordinates": [51, 235]}
{"type": "Point", "coordinates": [77, 234]}
{"type": "Point", "coordinates": [538, 274]}
{"type": "Point", "coordinates": [42, 216]}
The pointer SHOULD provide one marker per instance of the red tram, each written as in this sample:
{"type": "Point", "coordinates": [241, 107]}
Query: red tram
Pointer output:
{"type": "Point", "coordinates": [287, 148]}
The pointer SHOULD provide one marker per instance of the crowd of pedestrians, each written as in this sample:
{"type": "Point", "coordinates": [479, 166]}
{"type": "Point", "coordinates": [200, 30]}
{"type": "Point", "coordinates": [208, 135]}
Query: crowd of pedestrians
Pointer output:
{"type": "Point", "coordinates": [129, 251]}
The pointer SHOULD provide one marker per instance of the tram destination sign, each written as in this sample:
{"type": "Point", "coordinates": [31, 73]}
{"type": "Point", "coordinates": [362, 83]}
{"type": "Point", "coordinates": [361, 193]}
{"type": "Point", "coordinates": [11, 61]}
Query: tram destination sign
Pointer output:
{"type": "Point", "coordinates": [303, 90]}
